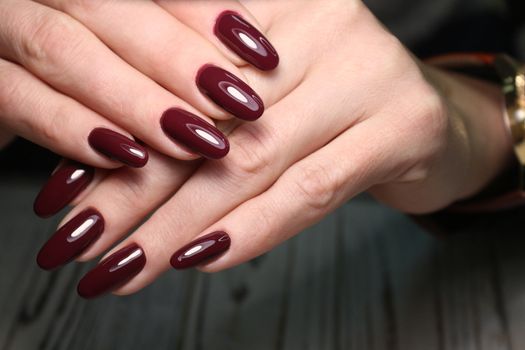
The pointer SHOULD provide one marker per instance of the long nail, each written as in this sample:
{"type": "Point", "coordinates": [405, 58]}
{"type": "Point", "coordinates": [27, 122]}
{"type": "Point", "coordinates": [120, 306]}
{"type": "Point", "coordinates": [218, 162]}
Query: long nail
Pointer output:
{"type": "Point", "coordinates": [71, 239]}
{"type": "Point", "coordinates": [62, 187]}
{"type": "Point", "coordinates": [230, 93]}
{"type": "Point", "coordinates": [246, 41]}
{"type": "Point", "coordinates": [201, 250]}
{"type": "Point", "coordinates": [194, 133]}
{"type": "Point", "coordinates": [118, 147]}
{"type": "Point", "coordinates": [112, 272]}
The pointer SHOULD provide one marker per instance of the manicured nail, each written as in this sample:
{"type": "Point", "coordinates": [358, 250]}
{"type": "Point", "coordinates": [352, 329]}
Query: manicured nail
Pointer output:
{"type": "Point", "coordinates": [246, 41]}
{"type": "Point", "coordinates": [62, 187]}
{"type": "Point", "coordinates": [201, 250]}
{"type": "Point", "coordinates": [112, 272]}
{"type": "Point", "coordinates": [230, 93]}
{"type": "Point", "coordinates": [194, 133]}
{"type": "Point", "coordinates": [71, 239]}
{"type": "Point", "coordinates": [118, 147]}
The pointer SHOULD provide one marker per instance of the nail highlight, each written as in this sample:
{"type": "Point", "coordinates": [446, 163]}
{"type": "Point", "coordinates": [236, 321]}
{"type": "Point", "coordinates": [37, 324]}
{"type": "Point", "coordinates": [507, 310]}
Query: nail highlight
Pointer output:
{"type": "Point", "coordinates": [62, 187]}
{"type": "Point", "coordinates": [246, 41]}
{"type": "Point", "coordinates": [118, 147]}
{"type": "Point", "coordinates": [112, 272]}
{"type": "Point", "coordinates": [201, 250]}
{"type": "Point", "coordinates": [230, 93]}
{"type": "Point", "coordinates": [71, 239]}
{"type": "Point", "coordinates": [194, 133]}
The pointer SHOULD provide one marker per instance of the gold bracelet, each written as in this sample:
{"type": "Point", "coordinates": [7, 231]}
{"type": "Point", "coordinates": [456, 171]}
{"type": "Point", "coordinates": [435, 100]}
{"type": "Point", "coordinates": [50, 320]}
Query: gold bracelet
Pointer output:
{"type": "Point", "coordinates": [507, 71]}
{"type": "Point", "coordinates": [512, 74]}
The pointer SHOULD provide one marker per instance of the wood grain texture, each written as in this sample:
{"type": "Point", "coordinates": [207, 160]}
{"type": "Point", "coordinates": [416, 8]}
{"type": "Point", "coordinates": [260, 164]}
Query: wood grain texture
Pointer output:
{"type": "Point", "coordinates": [366, 278]}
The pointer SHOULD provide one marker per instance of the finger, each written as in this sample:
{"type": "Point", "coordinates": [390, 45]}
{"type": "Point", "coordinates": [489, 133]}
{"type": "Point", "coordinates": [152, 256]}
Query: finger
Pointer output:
{"type": "Point", "coordinates": [230, 27]}
{"type": "Point", "coordinates": [112, 208]}
{"type": "Point", "coordinates": [31, 109]}
{"type": "Point", "coordinates": [294, 59]}
{"type": "Point", "coordinates": [254, 164]}
{"type": "Point", "coordinates": [302, 196]}
{"type": "Point", "coordinates": [66, 55]}
{"type": "Point", "coordinates": [69, 182]}
{"type": "Point", "coordinates": [169, 52]}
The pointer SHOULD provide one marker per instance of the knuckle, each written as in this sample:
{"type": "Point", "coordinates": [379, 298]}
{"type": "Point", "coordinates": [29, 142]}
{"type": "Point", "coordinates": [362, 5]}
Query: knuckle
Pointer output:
{"type": "Point", "coordinates": [131, 190]}
{"type": "Point", "coordinates": [10, 88]}
{"type": "Point", "coordinates": [83, 6]}
{"type": "Point", "coordinates": [51, 41]}
{"type": "Point", "coordinates": [316, 186]}
{"type": "Point", "coordinates": [251, 151]}
{"type": "Point", "coordinates": [51, 125]}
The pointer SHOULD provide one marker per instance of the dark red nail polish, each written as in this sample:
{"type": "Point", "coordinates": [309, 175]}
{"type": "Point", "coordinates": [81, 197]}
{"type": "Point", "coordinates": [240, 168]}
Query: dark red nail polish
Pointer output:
{"type": "Point", "coordinates": [200, 250]}
{"type": "Point", "coordinates": [246, 41]}
{"type": "Point", "coordinates": [62, 187]}
{"type": "Point", "coordinates": [230, 93]}
{"type": "Point", "coordinates": [112, 272]}
{"type": "Point", "coordinates": [118, 147]}
{"type": "Point", "coordinates": [194, 133]}
{"type": "Point", "coordinates": [71, 239]}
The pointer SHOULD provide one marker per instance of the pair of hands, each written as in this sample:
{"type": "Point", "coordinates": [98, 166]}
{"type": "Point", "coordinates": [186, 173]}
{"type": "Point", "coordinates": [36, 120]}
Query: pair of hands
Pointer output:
{"type": "Point", "coordinates": [347, 110]}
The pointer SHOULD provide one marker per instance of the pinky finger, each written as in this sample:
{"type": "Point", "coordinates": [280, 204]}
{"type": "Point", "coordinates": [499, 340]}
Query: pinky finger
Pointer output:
{"type": "Point", "coordinates": [31, 109]}
{"type": "Point", "coordinates": [302, 196]}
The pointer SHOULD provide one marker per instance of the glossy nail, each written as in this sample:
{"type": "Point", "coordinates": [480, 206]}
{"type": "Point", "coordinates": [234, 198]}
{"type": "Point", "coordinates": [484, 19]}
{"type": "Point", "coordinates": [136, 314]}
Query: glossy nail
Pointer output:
{"type": "Point", "coordinates": [118, 147]}
{"type": "Point", "coordinates": [71, 239]}
{"type": "Point", "coordinates": [194, 133]}
{"type": "Point", "coordinates": [113, 272]}
{"type": "Point", "coordinates": [230, 93]}
{"type": "Point", "coordinates": [201, 250]}
{"type": "Point", "coordinates": [62, 187]}
{"type": "Point", "coordinates": [246, 41]}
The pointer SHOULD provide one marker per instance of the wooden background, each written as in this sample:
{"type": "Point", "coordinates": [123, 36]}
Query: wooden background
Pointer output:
{"type": "Point", "coordinates": [366, 278]}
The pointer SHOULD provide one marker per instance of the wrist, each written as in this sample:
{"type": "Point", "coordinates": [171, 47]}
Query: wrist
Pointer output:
{"type": "Point", "coordinates": [478, 132]}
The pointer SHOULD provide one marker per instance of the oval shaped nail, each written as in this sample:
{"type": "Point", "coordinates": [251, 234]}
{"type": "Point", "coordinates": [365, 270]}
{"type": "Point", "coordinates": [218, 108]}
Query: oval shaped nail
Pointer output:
{"type": "Point", "coordinates": [112, 272]}
{"type": "Point", "coordinates": [201, 250]}
{"type": "Point", "coordinates": [71, 240]}
{"type": "Point", "coordinates": [118, 147]}
{"type": "Point", "coordinates": [63, 186]}
{"type": "Point", "coordinates": [246, 41]}
{"type": "Point", "coordinates": [194, 133]}
{"type": "Point", "coordinates": [230, 93]}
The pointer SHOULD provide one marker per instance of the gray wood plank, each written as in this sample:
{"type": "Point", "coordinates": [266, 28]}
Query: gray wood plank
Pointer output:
{"type": "Point", "coordinates": [365, 278]}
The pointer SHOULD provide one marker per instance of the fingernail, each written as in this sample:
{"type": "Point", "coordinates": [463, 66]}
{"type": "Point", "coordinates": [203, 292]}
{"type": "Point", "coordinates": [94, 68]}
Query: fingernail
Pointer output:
{"type": "Point", "coordinates": [113, 272]}
{"type": "Point", "coordinates": [230, 93]}
{"type": "Point", "coordinates": [200, 250]}
{"type": "Point", "coordinates": [71, 239]}
{"type": "Point", "coordinates": [194, 133]}
{"type": "Point", "coordinates": [62, 187]}
{"type": "Point", "coordinates": [246, 41]}
{"type": "Point", "coordinates": [118, 147]}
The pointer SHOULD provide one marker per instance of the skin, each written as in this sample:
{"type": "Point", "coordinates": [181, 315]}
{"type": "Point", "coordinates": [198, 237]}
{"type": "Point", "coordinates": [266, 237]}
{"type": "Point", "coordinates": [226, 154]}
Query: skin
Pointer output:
{"type": "Point", "coordinates": [80, 56]}
{"type": "Point", "coordinates": [348, 110]}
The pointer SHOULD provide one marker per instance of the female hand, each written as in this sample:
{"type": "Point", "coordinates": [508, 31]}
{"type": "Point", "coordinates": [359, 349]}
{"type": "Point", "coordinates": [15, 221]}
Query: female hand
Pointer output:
{"type": "Point", "coordinates": [101, 71]}
{"type": "Point", "coordinates": [358, 113]}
